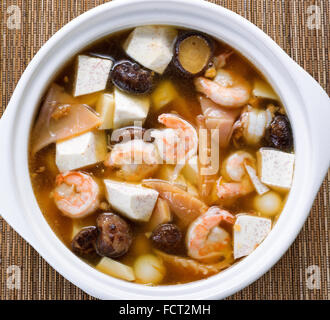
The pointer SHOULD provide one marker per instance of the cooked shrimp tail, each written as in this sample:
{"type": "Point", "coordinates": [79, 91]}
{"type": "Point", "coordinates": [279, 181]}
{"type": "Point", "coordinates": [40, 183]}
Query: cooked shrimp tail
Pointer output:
{"type": "Point", "coordinates": [205, 240]}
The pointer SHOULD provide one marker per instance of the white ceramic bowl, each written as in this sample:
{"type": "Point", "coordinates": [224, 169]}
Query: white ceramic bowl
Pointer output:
{"type": "Point", "coordinates": [307, 105]}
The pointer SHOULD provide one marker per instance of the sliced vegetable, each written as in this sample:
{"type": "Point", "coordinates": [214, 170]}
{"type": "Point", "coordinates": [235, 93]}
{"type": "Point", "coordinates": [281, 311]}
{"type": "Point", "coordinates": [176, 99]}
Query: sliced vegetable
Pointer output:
{"type": "Point", "coordinates": [163, 95]}
{"type": "Point", "coordinates": [190, 170]}
{"type": "Point", "coordinates": [90, 99]}
{"type": "Point", "coordinates": [116, 269]}
{"type": "Point", "coordinates": [149, 269]}
{"type": "Point", "coordinates": [61, 118]}
{"type": "Point", "coordinates": [262, 89]}
{"type": "Point", "coordinates": [258, 185]}
{"type": "Point", "coordinates": [192, 53]}
{"type": "Point", "coordinates": [161, 214]}
{"type": "Point", "coordinates": [105, 107]}
{"type": "Point", "coordinates": [132, 78]}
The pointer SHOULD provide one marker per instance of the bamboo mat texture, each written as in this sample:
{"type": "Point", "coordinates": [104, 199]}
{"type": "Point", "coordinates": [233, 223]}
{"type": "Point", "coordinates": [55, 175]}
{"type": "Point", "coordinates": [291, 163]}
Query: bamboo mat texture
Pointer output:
{"type": "Point", "coordinates": [290, 24]}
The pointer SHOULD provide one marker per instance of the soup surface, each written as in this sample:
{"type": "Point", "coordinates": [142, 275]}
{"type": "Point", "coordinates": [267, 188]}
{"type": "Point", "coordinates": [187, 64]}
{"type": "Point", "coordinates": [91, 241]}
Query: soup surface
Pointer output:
{"type": "Point", "coordinates": [161, 155]}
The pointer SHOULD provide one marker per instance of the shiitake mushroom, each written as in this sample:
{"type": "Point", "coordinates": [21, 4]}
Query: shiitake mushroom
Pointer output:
{"type": "Point", "coordinates": [279, 133]}
{"type": "Point", "coordinates": [193, 52]}
{"type": "Point", "coordinates": [83, 244]}
{"type": "Point", "coordinates": [114, 238]}
{"type": "Point", "coordinates": [167, 237]}
{"type": "Point", "coordinates": [130, 77]}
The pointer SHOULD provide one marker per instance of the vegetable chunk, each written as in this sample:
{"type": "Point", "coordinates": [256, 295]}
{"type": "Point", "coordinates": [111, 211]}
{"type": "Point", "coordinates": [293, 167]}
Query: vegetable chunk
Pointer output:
{"type": "Point", "coordinates": [249, 232]}
{"type": "Point", "coordinates": [151, 46]}
{"type": "Point", "coordinates": [131, 200]}
{"type": "Point", "coordinates": [116, 269]}
{"type": "Point", "coordinates": [105, 108]}
{"type": "Point", "coordinates": [91, 75]}
{"type": "Point", "coordinates": [81, 151]}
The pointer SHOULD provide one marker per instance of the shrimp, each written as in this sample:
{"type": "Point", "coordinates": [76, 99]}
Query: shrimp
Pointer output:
{"type": "Point", "coordinates": [178, 142]}
{"type": "Point", "coordinates": [185, 206]}
{"type": "Point", "coordinates": [221, 60]}
{"type": "Point", "coordinates": [252, 124]}
{"type": "Point", "coordinates": [205, 239]}
{"type": "Point", "coordinates": [233, 169]}
{"type": "Point", "coordinates": [135, 159]}
{"type": "Point", "coordinates": [228, 89]}
{"type": "Point", "coordinates": [230, 190]}
{"type": "Point", "coordinates": [76, 194]}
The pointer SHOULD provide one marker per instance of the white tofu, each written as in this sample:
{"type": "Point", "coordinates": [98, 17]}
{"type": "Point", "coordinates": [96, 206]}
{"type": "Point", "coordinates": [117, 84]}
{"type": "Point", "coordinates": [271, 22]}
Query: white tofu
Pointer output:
{"type": "Point", "coordinates": [151, 46]}
{"type": "Point", "coordinates": [105, 107]}
{"type": "Point", "coordinates": [131, 200]}
{"type": "Point", "coordinates": [190, 170]}
{"type": "Point", "coordinates": [275, 168]}
{"type": "Point", "coordinates": [129, 108]}
{"type": "Point", "coordinates": [81, 151]}
{"type": "Point", "coordinates": [91, 75]}
{"type": "Point", "coordinates": [249, 232]}
{"type": "Point", "coordinates": [258, 185]}
{"type": "Point", "coordinates": [262, 89]}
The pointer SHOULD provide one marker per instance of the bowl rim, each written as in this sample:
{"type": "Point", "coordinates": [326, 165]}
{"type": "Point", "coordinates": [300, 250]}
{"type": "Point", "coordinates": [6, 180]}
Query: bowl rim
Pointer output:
{"type": "Point", "coordinates": [252, 43]}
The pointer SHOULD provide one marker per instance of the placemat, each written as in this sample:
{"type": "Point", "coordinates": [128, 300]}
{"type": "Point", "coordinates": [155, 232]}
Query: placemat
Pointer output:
{"type": "Point", "coordinates": [300, 27]}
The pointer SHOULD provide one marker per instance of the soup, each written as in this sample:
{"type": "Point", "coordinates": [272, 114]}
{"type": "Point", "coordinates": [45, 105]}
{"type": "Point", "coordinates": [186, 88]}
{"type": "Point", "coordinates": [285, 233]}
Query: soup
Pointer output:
{"type": "Point", "coordinates": [161, 156]}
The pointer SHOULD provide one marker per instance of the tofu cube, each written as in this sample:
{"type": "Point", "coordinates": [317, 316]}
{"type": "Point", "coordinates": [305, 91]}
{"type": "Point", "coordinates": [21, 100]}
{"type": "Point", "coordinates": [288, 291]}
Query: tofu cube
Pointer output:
{"type": "Point", "coordinates": [190, 170]}
{"type": "Point", "coordinates": [81, 151]}
{"type": "Point", "coordinates": [131, 200]}
{"type": "Point", "coordinates": [249, 232]}
{"type": "Point", "coordinates": [151, 46]}
{"type": "Point", "coordinates": [91, 75]}
{"type": "Point", "coordinates": [129, 108]}
{"type": "Point", "coordinates": [258, 185]}
{"type": "Point", "coordinates": [275, 168]}
{"type": "Point", "coordinates": [105, 107]}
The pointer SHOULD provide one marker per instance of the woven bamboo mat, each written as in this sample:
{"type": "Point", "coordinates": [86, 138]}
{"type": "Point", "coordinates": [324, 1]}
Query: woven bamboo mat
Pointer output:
{"type": "Point", "coordinates": [290, 24]}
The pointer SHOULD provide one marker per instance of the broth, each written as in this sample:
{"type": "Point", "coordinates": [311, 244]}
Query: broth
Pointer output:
{"type": "Point", "coordinates": [44, 169]}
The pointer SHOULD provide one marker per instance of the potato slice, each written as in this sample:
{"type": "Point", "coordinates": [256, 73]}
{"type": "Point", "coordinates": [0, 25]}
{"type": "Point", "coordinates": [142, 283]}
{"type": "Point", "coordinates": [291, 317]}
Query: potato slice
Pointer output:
{"type": "Point", "coordinates": [105, 107]}
{"type": "Point", "coordinates": [116, 269]}
{"type": "Point", "coordinates": [262, 89]}
{"type": "Point", "coordinates": [163, 95]}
